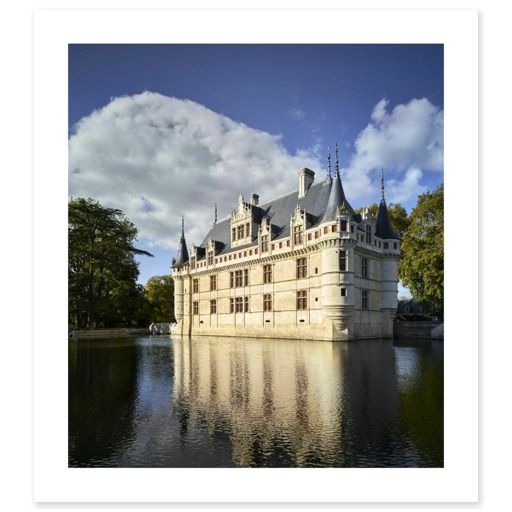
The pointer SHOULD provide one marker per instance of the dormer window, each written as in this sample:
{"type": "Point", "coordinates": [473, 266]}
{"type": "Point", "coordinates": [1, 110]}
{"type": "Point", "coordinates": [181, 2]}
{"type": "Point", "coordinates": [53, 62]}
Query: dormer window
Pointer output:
{"type": "Point", "coordinates": [297, 235]}
{"type": "Point", "coordinates": [241, 223]}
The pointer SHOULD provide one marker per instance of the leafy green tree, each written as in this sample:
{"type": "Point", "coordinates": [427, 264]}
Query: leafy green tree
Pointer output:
{"type": "Point", "coordinates": [102, 271]}
{"type": "Point", "coordinates": [421, 267]}
{"type": "Point", "coordinates": [160, 293]}
{"type": "Point", "coordinates": [397, 216]}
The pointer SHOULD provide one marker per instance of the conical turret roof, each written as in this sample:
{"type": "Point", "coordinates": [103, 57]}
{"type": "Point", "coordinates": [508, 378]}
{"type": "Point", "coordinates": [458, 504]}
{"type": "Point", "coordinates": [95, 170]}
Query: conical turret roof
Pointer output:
{"type": "Point", "coordinates": [182, 257]}
{"type": "Point", "coordinates": [383, 228]}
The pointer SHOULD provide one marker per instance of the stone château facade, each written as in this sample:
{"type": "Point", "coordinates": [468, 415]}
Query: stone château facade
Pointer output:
{"type": "Point", "coordinates": [303, 265]}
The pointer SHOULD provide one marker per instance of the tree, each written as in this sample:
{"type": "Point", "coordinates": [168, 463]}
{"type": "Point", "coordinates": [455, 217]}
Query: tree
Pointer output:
{"type": "Point", "coordinates": [421, 267]}
{"type": "Point", "coordinates": [102, 271]}
{"type": "Point", "coordinates": [160, 293]}
{"type": "Point", "coordinates": [397, 216]}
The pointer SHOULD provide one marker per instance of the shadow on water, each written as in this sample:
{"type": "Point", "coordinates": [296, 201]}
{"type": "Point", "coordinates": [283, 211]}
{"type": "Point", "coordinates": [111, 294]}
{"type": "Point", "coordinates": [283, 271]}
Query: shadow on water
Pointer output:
{"type": "Point", "coordinates": [226, 402]}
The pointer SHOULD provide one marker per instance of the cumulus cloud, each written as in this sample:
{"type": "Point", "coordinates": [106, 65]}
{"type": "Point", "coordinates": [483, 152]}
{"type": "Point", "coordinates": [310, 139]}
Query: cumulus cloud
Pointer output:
{"type": "Point", "coordinates": [406, 143]}
{"type": "Point", "coordinates": [158, 158]}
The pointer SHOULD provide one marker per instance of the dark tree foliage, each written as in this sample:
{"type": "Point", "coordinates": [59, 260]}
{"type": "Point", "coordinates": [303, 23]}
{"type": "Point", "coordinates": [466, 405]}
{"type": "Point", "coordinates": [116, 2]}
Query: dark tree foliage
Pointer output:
{"type": "Point", "coordinates": [421, 268]}
{"type": "Point", "coordinates": [102, 273]}
{"type": "Point", "coordinates": [160, 293]}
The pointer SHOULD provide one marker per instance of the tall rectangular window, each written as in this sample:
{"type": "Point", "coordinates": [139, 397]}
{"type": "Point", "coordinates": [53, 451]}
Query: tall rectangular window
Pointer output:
{"type": "Point", "coordinates": [364, 299]}
{"type": "Point", "coordinates": [343, 261]}
{"type": "Point", "coordinates": [240, 232]}
{"type": "Point", "coordinates": [195, 286]}
{"type": "Point", "coordinates": [297, 235]}
{"type": "Point", "coordinates": [233, 234]}
{"type": "Point", "coordinates": [264, 243]}
{"type": "Point", "coordinates": [246, 277]}
{"type": "Point", "coordinates": [368, 234]}
{"type": "Point", "coordinates": [267, 273]}
{"type": "Point", "coordinates": [246, 304]}
{"type": "Point", "coordinates": [239, 304]}
{"type": "Point", "coordinates": [192, 263]}
{"type": "Point", "coordinates": [231, 305]}
{"type": "Point", "coordinates": [213, 283]}
{"type": "Point", "coordinates": [231, 279]}
{"type": "Point", "coordinates": [210, 258]}
{"type": "Point", "coordinates": [267, 302]}
{"type": "Point", "coordinates": [364, 267]}
{"type": "Point", "coordinates": [213, 307]}
{"type": "Point", "coordinates": [302, 268]}
{"type": "Point", "coordinates": [195, 307]}
{"type": "Point", "coordinates": [343, 225]}
{"type": "Point", "coordinates": [302, 299]}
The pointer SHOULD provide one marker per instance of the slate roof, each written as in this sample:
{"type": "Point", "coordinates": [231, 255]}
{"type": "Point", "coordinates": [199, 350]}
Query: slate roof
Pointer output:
{"type": "Point", "coordinates": [383, 228]}
{"type": "Point", "coordinates": [320, 204]}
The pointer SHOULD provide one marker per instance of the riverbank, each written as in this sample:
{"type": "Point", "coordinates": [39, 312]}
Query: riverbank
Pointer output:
{"type": "Point", "coordinates": [108, 333]}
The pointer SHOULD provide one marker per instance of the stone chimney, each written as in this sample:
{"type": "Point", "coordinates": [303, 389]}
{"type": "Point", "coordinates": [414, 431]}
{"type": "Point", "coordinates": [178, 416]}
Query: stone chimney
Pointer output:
{"type": "Point", "coordinates": [306, 179]}
{"type": "Point", "coordinates": [255, 199]}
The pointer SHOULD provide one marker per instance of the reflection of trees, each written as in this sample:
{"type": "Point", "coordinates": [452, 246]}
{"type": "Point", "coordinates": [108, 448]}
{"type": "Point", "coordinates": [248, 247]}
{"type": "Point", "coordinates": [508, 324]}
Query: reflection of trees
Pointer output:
{"type": "Point", "coordinates": [102, 382]}
{"type": "Point", "coordinates": [421, 401]}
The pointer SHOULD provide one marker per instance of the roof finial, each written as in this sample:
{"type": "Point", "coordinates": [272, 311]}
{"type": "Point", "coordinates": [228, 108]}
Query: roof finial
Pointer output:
{"type": "Point", "coordinates": [329, 162]}
{"type": "Point", "coordinates": [336, 168]}
{"type": "Point", "coordinates": [215, 222]}
{"type": "Point", "coordinates": [382, 198]}
{"type": "Point", "coordinates": [182, 225]}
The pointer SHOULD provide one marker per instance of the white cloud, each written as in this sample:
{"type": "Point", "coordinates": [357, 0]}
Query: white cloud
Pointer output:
{"type": "Point", "coordinates": [405, 142]}
{"type": "Point", "coordinates": [158, 158]}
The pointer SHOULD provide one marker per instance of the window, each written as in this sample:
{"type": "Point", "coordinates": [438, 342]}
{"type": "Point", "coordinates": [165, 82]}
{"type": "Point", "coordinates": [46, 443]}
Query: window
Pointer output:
{"type": "Point", "coordinates": [233, 234]}
{"type": "Point", "coordinates": [343, 225]}
{"type": "Point", "coordinates": [317, 234]}
{"type": "Point", "coordinates": [386, 245]}
{"type": "Point", "coordinates": [343, 292]}
{"type": "Point", "coordinates": [210, 258]}
{"type": "Point", "coordinates": [213, 307]}
{"type": "Point", "coordinates": [192, 263]}
{"type": "Point", "coordinates": [239, 278]}
{"type": "Point", "coordinates": [297, 235]}
{"type": "Point", "coordinates": [231, 305]}
{"type": "Point", "coordinates": [343, 261]}
{"type": "Point", "coordinates": [364, 299]}
{"type": "Point", "coordinates": [395, 246]}
{"type": "Point", "coordinates": [368, 234]}
{"type": "Point", "coordinates": [302, 268]}
{"type": "Point", "coordinates": [195, 286]}
{"type": "Point", "coordinates": [364, 267]}
{"type": "Point", "coordinates": [310, 236]}
{"type": "Point", "coordinates": [247, 229]}
{"type": "Point", "coordinates": [240, 232]}
{"type": "Point", "coordinates": [264, 243]}
{"type": "Point", "coordinates": [335, 228]}
{"type": "Point", "coordinates": [195, 306]}
{"type": "Point", "coordinates": [267, 302]}
{"type": "Point", "coordinates": [246, 304]}
{"type": "Point", "coordinates": [267, 273]}
{"type": "Point", "coordinates": [302, 299]}
{"type": "Point", "coordinates": [213, 283]}
{"type": "Point", "coordinates": [326, 230]}
{"type": "Point", "coordinates": [239, 304]}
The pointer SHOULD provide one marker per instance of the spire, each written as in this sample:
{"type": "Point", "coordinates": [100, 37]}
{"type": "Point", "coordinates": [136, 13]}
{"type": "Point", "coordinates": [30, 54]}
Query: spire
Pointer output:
{"type": "Point", "coordinates": [337, 195]}
{"type": "Point", "coordinates": [382, 198]}
{"type": "Point", "coordinates": [328, 178]}
{"type": "Point", "coordinates": [215, 221]}
{"type": "Point", "coordinates": [182, 257]}
{"type": "Point", "coordinates": [383, 227]}
{"type": "Point", "coordinates": [337, 167]}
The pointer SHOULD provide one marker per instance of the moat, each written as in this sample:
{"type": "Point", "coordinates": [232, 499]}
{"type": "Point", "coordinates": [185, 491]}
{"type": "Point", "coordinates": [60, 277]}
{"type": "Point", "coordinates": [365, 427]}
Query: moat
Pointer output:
{"type": "Point", "coordinates": [224, 402]}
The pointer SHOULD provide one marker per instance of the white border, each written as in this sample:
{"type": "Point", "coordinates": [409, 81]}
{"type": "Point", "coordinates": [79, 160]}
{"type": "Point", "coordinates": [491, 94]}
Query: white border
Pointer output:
{"type": "Point", "coordinates": [53, 480]}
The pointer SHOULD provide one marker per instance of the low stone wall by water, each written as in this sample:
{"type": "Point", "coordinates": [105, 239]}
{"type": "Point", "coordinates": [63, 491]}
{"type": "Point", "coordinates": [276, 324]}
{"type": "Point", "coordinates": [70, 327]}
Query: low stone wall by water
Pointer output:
{"type": "Point", "coordinates": [108, 333]}
{"type": "Point", "coordinates": [417, 329]}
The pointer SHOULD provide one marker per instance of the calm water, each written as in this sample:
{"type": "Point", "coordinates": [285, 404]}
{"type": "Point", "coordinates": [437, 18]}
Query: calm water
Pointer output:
{"type": "Point", "coordinates": [223, 402]}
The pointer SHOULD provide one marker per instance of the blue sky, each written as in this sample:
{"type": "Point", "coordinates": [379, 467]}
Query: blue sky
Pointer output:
{"type": "Point", "coordinates": [162, 131]}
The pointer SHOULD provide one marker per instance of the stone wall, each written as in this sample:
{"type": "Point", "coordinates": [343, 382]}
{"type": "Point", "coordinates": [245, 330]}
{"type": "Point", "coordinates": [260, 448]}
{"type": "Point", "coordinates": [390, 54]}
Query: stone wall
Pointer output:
{"type": "Point", "coordinates": [414, 329]}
